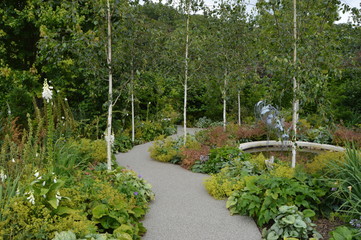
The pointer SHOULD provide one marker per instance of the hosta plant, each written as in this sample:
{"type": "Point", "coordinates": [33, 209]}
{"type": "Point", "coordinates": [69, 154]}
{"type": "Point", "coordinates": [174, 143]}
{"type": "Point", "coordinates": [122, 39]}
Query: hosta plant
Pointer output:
{"type": "Point", "coordinates": [292, 223]}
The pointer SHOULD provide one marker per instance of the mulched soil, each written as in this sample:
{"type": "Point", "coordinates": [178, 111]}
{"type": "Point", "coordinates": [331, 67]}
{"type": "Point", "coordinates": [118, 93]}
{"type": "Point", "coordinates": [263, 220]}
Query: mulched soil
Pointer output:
{"type": "Point", "coordinates": [324, 226]}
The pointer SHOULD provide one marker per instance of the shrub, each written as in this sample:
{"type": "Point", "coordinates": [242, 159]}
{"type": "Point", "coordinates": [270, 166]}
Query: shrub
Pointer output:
{"type": "Point", "coordinates": [342, 136]}
{"type": "Point", "coordinates": [192, 152]}
{"type": "Point", "coordinates": [259, 162]}
{"type": "Point", "coordinates": [203, 122]}
{"type": "Point", "coordinates": [290, 222]}
{"type": "Point", "coordinates": [218, 185]}
{"type": "Point", "coordinates": [282, 170]}
{"type": "Point", "coordinates": [96, 150]}
{"type": "Point", "coordinates": [219, 158]}
{"type": "Point", "coordinates": [247, 133]}
{"type": "Point", "coordinates": [122, 143]}
{"type": "Point", "coordinates": [147, 131]}
{"type": "Point", "coordinates": [319, 135]}
{"type": "Point", "coordinates": [215, 137]}
{"type": "Point", "coordinates": [132, 185]}
{"type": "Point", "coordinates": [229, 179]}
{"type": "Point", "coordinates": [321, 163]}
{"type": "Point", "coordinates": [263, 195]}
{"type": "Point", "coordinates": [163, 149]}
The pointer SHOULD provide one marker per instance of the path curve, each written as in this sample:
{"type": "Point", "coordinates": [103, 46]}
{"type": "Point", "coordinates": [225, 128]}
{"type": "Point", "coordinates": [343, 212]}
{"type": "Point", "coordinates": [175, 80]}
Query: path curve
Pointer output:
{"type": "Point", "coordinates": [182, 209]}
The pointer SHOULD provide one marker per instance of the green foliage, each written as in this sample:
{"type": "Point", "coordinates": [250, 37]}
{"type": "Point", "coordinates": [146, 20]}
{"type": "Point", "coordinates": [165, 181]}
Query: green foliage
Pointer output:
{"type": "Point", "coordinates": [203, 122]}
{"type": "Point", "coordinates": [69, 157]}
{"type": "Point", "coordinates": [122, 143]}
{"type": "Point", "coordinates": [218, 159]}
{"type": "Point", "coordinates": [96, 150]}
{"type": "Point", "coordinates": [258, 162]}
{"type": "Point", "coordinates": [345, 233]}
{"type": "Point", "coordinates": [290, 222]}
{"type": "Point", "coordinates": [263, 195]}
{"type": "Point", "coordinates": [45, 189]}
{"type": "Point", "coordinates": [147, 131]}
{"type": "Point", "coordinates": [321, 163]}
{"type": "Point", "coordinates": [64, 235]}
{"type": "Point", "coordinates": [318, 135]}
{"type": "Point", "coordinates": [133, 185]}
{"type": "Point", "coordinates": [229, 179]}
{"type": "Point", "coordinates": [348, 176]}
{"type": "Point", "coordinates": [8, 189]}
{"type": "Point", "coordinates": [95, 202]}
{"type": "Point", "coordinates": [282, 170]}
{"type": "Point", "coordinates": [163, 149]}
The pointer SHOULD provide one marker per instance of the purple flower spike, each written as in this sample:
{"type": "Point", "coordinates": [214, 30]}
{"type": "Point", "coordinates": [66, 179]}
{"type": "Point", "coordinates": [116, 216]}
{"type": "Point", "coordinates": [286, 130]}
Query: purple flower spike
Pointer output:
{"type": "Point", "coordinates": [140, 176]}
{"type": "Point", "coordinates": [135, 193]}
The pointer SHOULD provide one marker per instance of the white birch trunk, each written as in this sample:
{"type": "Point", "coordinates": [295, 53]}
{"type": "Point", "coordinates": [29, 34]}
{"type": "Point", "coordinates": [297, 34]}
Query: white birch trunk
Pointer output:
{"type": "Point", "coordinates": [110, 96]}
{"type": "Point", "coordinates": [239, 107]}
{"type": "Point", "coordinates": [225, 101]}
{"type": "Point", "coordinates": [132, 102]}
{"type": "Point", "coordinates": [295, 102]}
{"type": "Point", "coordinates": [186, 79]}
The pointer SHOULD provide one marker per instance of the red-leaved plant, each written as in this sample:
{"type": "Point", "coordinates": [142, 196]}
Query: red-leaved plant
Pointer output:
{"type": "Point", "coordinates": [343, 135]}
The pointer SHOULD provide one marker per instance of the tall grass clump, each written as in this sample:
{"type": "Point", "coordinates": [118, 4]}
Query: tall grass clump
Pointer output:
{"type": "Point", "coordinates": [348, 177]}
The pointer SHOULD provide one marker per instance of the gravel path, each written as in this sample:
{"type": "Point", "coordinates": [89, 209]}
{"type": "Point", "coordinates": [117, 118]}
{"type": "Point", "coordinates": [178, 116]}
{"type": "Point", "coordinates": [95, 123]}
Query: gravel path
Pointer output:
{"type": "Point", "coordinates": [182, 209]}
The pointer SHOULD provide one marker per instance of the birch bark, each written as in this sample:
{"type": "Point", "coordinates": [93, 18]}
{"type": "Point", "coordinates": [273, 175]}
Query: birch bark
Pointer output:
{"type": "Point", "coordinates": [110, 94]}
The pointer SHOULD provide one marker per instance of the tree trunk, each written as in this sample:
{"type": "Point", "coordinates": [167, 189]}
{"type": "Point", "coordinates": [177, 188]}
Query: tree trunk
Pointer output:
{"type": "Point", "coordinates": [132, 102]}
{"type": "Point", "coordinates": [225, 101]}
{"type": "Point", "coordinates": [110, 96]}
{"type": "Point", "coordinates": [186, 79]}
{"type": "Point", "coordinates": [239, 108]}
{"type": "Point", "coordinates": [295, 102]}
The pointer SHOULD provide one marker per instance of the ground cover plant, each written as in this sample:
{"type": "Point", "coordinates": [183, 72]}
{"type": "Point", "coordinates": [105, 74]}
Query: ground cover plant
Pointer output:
{"type": "Point", "coordinates": [55, 184]}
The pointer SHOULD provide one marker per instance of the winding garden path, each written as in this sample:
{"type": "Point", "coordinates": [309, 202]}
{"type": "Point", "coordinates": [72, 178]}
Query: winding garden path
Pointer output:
{"type": "Point", "coordinates": [182, 209]}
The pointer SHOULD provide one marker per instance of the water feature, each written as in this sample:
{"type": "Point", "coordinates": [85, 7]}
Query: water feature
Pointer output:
{"type": "Point", "coordinates": [274, 122]}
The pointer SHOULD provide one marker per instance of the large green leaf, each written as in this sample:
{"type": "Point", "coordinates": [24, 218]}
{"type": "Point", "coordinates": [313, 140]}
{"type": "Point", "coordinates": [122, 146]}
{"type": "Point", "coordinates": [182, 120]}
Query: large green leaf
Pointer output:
{"type": "Point", "coordinates": [53, 202]}
{"type": "Point", "coordinates": [307, 213]}
{"type": "Point", "coordinates": [299, 223]}
{"type": "Point", "coordinates": [290, 219]}
{"type": "Point", "coordinates": [100, 211]}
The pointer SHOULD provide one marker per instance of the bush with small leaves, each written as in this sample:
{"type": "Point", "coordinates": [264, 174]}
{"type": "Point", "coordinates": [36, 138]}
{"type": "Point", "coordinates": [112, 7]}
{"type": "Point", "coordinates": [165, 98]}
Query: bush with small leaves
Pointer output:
{"type": "Point", "coordinates": [229, 179]}
{"type": "Point", "coordinates": [163, 149]}
{"type": "Point", "coordinates": [322, 162]}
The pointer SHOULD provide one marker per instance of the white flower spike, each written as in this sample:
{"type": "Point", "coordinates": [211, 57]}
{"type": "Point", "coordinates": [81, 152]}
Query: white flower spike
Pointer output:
{"type": "Point", "coordinates": [31, 197]}
{"type": "Point", "coordinates": [47, 93]}
{"type": "Point", "coordinates": [3, 176]}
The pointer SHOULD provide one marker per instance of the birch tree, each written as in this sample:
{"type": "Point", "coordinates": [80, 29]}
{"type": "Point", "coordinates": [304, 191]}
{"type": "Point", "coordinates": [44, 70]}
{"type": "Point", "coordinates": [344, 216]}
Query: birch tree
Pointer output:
{"type": "Point", "coordinates": [187, 7]}
{"type": "Point", "coordinates": [228, 48]}
{"type": "Point", "coordinates": [298, 42]}
{"type": "Point", "coordinates": [186, 59]}
{"type": "Point", "coordinates": [295, 104]}
{"type": "Point", "coordinates": [109, 135]}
